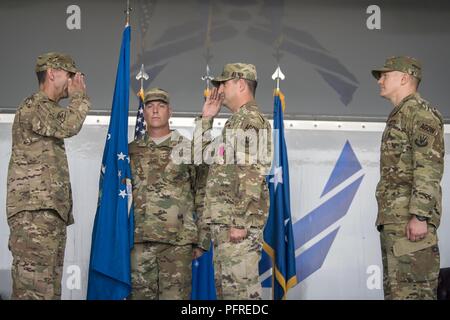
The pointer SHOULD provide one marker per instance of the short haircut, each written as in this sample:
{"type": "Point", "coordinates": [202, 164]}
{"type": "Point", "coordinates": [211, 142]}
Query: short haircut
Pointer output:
{"type": "Point", "coordinates": [41, 75]}
{"type": "Point", "coordinates": [415, 81]}
{"type": "Point", "coordinates": [252, 86]}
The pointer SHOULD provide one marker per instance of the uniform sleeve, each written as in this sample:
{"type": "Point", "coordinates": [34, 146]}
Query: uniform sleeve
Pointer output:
{"type": "Point", "coordinates": [136, 182]}
{"type": "Point", "coordinates": [201, 141]}
{"type": "Point", "coordinates": [250, 175]}
{"type": "Point", "coordinates": [428, 163]}
{"type": "Point", "coordinates": [59, 122]}
{"type": "Point", "coordinates": [199, 175]}
{"type": "Point", "coordinates": [202, 138]}
{"type": "Point", "coordinates": [250, 186]}
{"type": "Point", "coordinates": [135, 174]}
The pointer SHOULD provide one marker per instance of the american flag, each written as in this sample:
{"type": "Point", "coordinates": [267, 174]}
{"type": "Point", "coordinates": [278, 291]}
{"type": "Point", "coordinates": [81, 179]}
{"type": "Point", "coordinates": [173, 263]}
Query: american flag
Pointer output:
{"type": "Point", "coordinates": [141, 127]}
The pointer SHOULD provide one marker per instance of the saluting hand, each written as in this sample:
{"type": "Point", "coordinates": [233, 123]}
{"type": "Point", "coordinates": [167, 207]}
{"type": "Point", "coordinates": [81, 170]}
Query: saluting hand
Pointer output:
{"type": "Point", "coordinates": [76, 84]}
{"type": "Point", "coordinates": [212, 104]}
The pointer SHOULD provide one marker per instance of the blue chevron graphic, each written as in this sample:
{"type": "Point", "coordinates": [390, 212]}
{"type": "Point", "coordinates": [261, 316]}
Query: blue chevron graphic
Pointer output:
{"type": "Point", "coordinates": [346, 166]}
{"type": "Point", "coordinates": [322, 217]}
{"type": "Point", "coordinates": [313, 258]}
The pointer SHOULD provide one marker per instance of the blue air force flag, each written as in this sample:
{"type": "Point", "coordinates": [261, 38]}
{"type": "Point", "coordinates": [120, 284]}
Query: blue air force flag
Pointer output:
{"type": "Point", "coordinates": [203, 285]}
{"type": "Point", "coordinates": [278, 236]}
{"type": "Point", "coordinates": [112, 235]}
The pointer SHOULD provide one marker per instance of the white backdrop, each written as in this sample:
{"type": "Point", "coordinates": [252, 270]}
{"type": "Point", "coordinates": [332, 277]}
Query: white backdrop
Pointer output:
{"type": "Point", "coordinates": [344, 271]}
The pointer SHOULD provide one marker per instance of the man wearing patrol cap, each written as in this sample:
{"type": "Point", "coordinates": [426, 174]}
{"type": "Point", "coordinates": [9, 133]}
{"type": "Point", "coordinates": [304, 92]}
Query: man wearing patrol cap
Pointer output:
{"type": "Point", "coordinates": [409, 193]}
{"type": "Point", "coordinates": [39, 199]}
{"type": "Point", "coordinates": [168, 206]}
{"type": "Point", "coordinates": [236, 200]}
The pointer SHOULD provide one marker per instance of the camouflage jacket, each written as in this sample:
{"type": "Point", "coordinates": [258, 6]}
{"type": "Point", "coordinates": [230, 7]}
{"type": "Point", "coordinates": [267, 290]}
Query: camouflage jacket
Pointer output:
{"type": "Point", "coordinates": [236, 190]}
{"type": "Point", "coordinates": [167, 195]}
{"type": "Point", "coordinates": [411, 163]}
{"type": "Point", "coordinates": [38, 173]}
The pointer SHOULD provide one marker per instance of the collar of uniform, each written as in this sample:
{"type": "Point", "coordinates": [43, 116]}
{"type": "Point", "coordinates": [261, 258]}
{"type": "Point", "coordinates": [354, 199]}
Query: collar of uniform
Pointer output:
{"type": "Point", "coordinates": [251, 105]}
{"type": "Point", "coordinates": [42, 96]}
{"type": "Point", "coordinates": [248, 106]}
{"type": "Point", "coordinates": [170, 142]}
{"type": "Point", "coordinates": [414, 95]}
{"type": "Point", "coordinates": [399, 106]}
{"type": "Point", "coordinates": [141, 142]}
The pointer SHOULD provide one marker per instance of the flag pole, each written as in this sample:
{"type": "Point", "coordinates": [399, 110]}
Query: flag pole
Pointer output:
{"type": "Point", "coordinates": [140, 127]}
{"type": "Point", "coordinates": [142, 75]}
{"type": "Point", "coordinates": [127, 13]}
{"type": "Point", "coordinates": [277, 76]}
{"type": "Point", "coordinates": [207, 78]}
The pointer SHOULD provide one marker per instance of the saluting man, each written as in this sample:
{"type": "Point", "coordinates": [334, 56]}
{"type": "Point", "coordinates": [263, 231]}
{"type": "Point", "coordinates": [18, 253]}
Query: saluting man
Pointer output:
{"type": "Point", "coordinates": [39, 199]}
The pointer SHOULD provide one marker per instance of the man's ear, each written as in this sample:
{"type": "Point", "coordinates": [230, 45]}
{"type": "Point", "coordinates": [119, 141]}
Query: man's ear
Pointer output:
{"type": "Point", "coordinates": [405, 79]}
{"type": "Point", "coordinates": [50, 74]}
{"type": "Point", "coordinates": [170, 110]}
{"type": "Point", "coordinates": [242, 85]}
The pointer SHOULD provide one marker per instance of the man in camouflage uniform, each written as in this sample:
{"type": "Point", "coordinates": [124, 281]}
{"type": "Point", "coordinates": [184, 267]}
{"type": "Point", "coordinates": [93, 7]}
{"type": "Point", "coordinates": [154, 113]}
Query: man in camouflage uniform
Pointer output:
{"type": "Point", "coordinates": [409, 192]}
{"type": "Point", "coordinates": [237, 197]}
{"type": "Point", "coordinates": [39, 200]}
{"type": "Point", "coordinates": [167, 195]}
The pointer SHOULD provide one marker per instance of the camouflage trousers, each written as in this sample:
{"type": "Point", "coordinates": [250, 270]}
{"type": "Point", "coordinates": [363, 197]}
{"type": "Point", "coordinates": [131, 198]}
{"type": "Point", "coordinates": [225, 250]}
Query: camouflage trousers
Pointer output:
{"type": "Point", "coordinates": [412, 275]}
{"type": "Point", "coordinates": [161, 271]}
{"type": "Point", "coordinates": [236, 264]}
{"type": "Point", "coordinates": [37, 242]}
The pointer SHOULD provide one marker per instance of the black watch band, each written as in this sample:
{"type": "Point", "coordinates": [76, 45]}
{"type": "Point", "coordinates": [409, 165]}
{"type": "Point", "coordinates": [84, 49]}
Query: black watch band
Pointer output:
{"type": "Point", "coordinates": [421, 218]}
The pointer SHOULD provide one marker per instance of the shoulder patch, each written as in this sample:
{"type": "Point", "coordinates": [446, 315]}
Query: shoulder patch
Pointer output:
{"type": "Point", "coordinates": [61, 116]}
{"type": "Point", "coordinates": [256, 120]}
{"type": "Point", "coordinates": [29, 102]}
{"type": "Point", "coordinates": [421, 141]}
{"type": "Point", "coordinates": [133, 146]}
{"type": "Point", "coordinates": [427, 129]}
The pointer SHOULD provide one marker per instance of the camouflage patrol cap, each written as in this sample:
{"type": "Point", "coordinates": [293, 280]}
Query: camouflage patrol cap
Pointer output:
{"type": "Point", "coordinates": [404, 64]}
{"type": "Point", "coordinates": [236, 71]}
{"type": "Point", "coordinates": [55, 60]}
{"type": "Point", "coordinates": [154, 94]}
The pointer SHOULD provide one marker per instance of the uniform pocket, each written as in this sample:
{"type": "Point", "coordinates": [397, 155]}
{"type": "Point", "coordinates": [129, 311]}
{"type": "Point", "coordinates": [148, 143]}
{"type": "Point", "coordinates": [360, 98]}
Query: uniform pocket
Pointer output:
{"type": "Point", "coordinates": [420, 261]}
{"type": "Point", "coordinates": [404, 246]}
{"type": "Point", "coordinates": [395, 145]}
{"type": "Point", "coordinates": [176, 174]}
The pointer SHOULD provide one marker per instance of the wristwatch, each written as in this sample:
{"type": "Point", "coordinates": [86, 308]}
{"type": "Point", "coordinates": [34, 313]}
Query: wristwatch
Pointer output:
{"type": "Point", "coordinates": [421, 218]}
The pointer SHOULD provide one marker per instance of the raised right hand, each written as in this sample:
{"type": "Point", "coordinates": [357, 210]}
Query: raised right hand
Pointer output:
{"type": "Point", "coordinates": [212, 104]}
{"type": "Point", "coordinates": [76, 84]}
